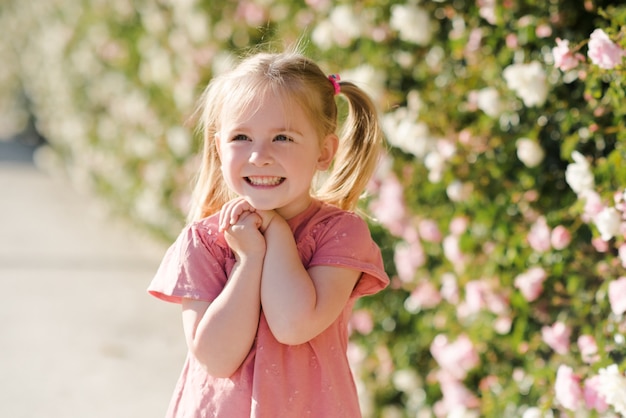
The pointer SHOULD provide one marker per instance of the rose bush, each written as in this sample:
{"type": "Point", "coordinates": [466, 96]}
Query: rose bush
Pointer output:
{"type": "Point", "coordinates": [500, 205]}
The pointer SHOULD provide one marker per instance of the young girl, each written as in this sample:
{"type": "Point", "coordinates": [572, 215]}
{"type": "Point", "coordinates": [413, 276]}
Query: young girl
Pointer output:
{"type": "Point", "coordinates": [269, 267]}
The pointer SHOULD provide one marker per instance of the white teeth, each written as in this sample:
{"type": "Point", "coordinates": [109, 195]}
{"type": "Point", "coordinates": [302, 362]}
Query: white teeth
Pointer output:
{"type": "Point", "coordinates": [264, 181]}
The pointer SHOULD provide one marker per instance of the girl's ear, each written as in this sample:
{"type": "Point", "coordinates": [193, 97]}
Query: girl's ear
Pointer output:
{"type": "Point", "coordinates": [327, 151]}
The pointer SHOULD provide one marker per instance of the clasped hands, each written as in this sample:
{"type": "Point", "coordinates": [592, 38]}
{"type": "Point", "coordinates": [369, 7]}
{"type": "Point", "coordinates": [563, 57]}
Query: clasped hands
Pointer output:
{"type": "Point", "coordinates": [243, 226]}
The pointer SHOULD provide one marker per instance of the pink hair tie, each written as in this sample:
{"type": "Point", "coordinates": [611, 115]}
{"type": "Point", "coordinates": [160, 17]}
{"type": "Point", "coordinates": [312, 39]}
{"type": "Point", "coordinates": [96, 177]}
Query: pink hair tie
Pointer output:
{"type": "Point", "coordinates": [334, 78]}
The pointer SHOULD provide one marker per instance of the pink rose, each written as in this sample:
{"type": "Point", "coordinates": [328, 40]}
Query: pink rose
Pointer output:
{"type": "Point", "coordinates": [560, 237]}
{"type": "Point", "coordinates": [617, 295]}
{"type": "Point", "coordinates": [458, 225]}
{"type": "Point", "coordinates": [429, 230]}
{"type": "Point", "coordinates": [502, 324]}
{"type": "Point", "coordinates": [567, 388]}
{"type": "Point", "coordinates": [479, 294]}
{"type": "Point", "coordinates": [603, 52]}
{"type": "Point", "coordinates": [600, 245]}
{"type": "Point", "coordinates": [476, 293]}
{"type": "Point", "coordinates": [424, 296]}
{"type": "Point", "coordinates": [564, 59]}
{"type": "Point", "coordinates": [455, 394]}
{"type": "Point", "coordinates": [543, 31]}
{"type": "Point", "coordinates": [539, 235]}
{"type": "Point", "coordinates": [408, 257]}
{"type": "Point", "coordinates": [557, 337]}
{"type": "Point", "coordinates": [449, 288]}
{"type": "Point", "coordinates": [530, 283]}
{"type": "Point", "coordinates": [593, 205]}
{"type": "Point", "coordinates": [389, 207]}
{"type": "Point", "coordinates": [593, 398]}
{"type": "Point", "coordinates": [452, 251]}
{"type": "Point", "coordinates": [457, 358]}
{"type": "Point", "coordinates": [588, 348]}
{"type": "Point", "coordinates": [362, 322]}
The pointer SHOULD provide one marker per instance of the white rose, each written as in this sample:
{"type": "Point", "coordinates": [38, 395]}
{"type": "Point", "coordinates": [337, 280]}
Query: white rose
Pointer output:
{"type": "Point", "coordinates": [412, 23]}
{"type": "Point", "coordinates": [322, 35]}
{"type": "Point", "coordinates": [458, 191]}
{"type": "Point", "coordinates": [533, 412]}
{"type": "Point", "coordinates": [345, 23]}
{"type": "Point", "coordinates": [613, 388]}
{"type": "Point", "coordinates": [404, 132]}
{"type": "Point", "coordinates": [368, 78]}
{"type": "Point", "coordinates": [578, 174]}
{"type": "Point", "coordinates": [406, 380]}
{"type": "Point", "coordinates": [608, 223]}
{"type": "Point", "coordinates": [488, 100]}
{"type": "Point", "coordinates": [528, 81]}
{"type": "Point", "coordinates": [529, 152]}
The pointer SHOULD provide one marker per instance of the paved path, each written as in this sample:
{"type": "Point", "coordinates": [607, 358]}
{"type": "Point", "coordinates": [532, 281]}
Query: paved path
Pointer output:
{"type": "Point", "coordinates": [79, 336]}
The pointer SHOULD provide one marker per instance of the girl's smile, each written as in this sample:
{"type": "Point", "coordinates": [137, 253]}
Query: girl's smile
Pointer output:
{"type": "Point", "coordinates": [260, 181]}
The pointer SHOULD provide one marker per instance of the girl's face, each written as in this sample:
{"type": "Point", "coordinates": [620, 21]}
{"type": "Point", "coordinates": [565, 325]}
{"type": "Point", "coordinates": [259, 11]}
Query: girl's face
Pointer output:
{"type": "Point", "coordinates": [270, 157]}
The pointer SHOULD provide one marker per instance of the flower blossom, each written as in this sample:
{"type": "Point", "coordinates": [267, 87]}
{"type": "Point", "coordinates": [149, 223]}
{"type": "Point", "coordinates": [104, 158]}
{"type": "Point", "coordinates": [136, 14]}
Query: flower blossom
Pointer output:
{"type": "Point", "coordinates": [530, 283]}
{"type": "Point", "coordinates": [389, 207]}
{"type": "Point", "coordinates": [341, 28]}
{"type": "Point", "coordinates": [612, 387]}
{"type": "Point", "coordinates": [412, 23]}
{"type": "Point", "coordinates": [588, 348]}
{"type": "Point", "coordinates": [557, 337]}
{"type": "Point", "coordinates": [617, 295]}
{"type": "Point", "coordinates": [424, 296]}
{"type": "Point", "coordinates": [458, 191]}
{"type": "Point", "coordinates": [479, 294]}
{"type": "Point", "coordinates": [593, 398]}
{"type": "Point", "coordinates": [487, 10]}
{"type": "Point", "coordinates": [452, 251]}
{"type": "Point", "coordinates": [593, 205]}
{"type": "Point", "coordinates": [578, 174]}
{"type": "Point", "coordinates": [603, 52]}
{"type": "Point", "coordinates": [567, 388]}
{"type": "Point", "coordinates": [564, 58]}
{"type": "Point", "coordinates": [529, 152]}
{"type": "Point", "coordinates": [408, 257]}
{"type": "Point", "coordinates": [539, 235]}
{"type": "Point", "coordinates": [560, 237]}
{"type": "Point", "coordinates": [429, 230]}
{"type": "Point", "coordinates": [609, 223]}
{"type": "Point", "coordinates": [362, 322]}
{"type": "Point", "coordinates": [528, 81]}
{"type": "Point", "coordinates": [456, 397]}
{"type": "Point", "coordinates": [456, 358]}
{"type": "Point", "coordinates": [403, 131]}
{"type": "Point", "coordinates": [488, 100]}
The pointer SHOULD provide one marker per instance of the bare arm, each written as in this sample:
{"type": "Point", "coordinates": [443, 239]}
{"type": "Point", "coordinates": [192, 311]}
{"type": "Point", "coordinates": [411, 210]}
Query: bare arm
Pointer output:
{"type": "Point", "coordinates": [297, 303]}
{"type": "Point", "coordinates": [221, 333]}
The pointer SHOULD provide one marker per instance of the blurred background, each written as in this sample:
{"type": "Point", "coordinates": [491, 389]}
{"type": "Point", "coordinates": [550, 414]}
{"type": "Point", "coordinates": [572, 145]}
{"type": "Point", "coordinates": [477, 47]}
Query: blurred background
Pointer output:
{"type": "Point", "coordinates": [499, 205]}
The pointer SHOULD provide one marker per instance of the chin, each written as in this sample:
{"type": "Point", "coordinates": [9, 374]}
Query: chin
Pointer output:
{"type": "Point", "coordinates": [260, 204]}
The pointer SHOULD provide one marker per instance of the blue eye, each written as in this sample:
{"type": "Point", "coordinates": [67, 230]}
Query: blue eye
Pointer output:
{"type": "Point", "coordinates": [282, 138]}
{"type": "Point", "coordinates": [240, 137]}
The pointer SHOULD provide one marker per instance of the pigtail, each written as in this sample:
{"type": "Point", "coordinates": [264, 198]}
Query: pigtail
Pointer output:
{"type": "Point", "coordinates": [358, 153]}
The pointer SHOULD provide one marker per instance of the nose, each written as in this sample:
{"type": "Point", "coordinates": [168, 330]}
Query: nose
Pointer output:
{"type": "Point", "coordinates": [260, 155]}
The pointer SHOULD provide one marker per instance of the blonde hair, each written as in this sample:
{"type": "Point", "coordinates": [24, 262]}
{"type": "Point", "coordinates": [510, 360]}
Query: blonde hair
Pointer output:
{"type": "Point", "coordinates": [296, 80]}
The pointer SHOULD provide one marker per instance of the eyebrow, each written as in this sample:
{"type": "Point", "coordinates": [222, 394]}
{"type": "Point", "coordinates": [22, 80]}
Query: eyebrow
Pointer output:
{"type": "Point", "coordinates": [246, 128]}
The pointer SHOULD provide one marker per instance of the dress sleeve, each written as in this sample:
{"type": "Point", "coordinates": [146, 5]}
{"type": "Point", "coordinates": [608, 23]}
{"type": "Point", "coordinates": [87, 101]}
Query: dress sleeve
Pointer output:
{"type": "Point", "coordinates": [195, 266]}
{"type": "Point", "coordinates": [345, 241]}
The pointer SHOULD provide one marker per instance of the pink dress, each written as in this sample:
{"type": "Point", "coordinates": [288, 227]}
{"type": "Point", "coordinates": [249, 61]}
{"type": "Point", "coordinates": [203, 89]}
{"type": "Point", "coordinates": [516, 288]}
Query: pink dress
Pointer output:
{"type": "Point", "coordinates": [275, 380]}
